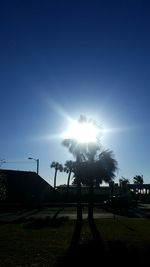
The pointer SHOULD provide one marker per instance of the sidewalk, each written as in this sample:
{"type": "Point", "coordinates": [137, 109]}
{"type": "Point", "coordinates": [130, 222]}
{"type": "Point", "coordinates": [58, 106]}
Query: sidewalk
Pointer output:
{"type": "Point", "coordinates": [44, 213]}
{"type": "Point", "coordinates": [15, 216]}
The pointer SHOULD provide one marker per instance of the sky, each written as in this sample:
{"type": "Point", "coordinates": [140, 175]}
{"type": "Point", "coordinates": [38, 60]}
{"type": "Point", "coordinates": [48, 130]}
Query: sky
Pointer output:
{"type": "Point", "coordinates": [60, 59]}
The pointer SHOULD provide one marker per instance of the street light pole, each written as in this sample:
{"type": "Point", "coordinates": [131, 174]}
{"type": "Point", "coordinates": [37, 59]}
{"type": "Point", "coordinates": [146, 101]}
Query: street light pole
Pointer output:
{"type": "Point", "coordinates": [37, 170]}
{"type": "Point", "coordinates": [37, 166]}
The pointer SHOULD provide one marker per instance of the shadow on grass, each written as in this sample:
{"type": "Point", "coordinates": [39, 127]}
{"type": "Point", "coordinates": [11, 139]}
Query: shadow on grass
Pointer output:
{"type": "Point", "coordinates": [88, 254]}
{"type": "Point", "coordinates": [94, 253]}
{"type": "Point", "coordinates": [121, 254]}
{"type": "Point", "coordinates": [117, 254]}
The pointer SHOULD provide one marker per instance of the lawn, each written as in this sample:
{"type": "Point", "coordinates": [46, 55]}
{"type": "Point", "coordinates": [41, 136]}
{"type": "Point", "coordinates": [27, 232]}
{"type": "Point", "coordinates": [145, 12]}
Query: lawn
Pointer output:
{"type": "Point", "coordinates": [35, 243]}
{"type": "Point", "coordinates": [29, 244]}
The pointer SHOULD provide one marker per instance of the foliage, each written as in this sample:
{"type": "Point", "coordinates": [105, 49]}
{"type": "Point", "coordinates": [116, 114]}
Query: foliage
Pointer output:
{"type": "Point", "coordinates": [92, 167]}
{"type": "Point", "coordinates": [138, 179]}
{"type": "Point", "coordinates": [69, 168]}
{"type": "Point", "coordinates": [91, 162]}
{"type": "Point", "coordinates": [101, 168]}
{"type": "Point", "coordinates": [58, 167]}
{"type": "Point", "coordinates": [124, 181]}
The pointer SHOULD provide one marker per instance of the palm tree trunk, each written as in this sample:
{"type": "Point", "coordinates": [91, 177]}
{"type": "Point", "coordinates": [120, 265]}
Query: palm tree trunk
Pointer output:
{"type": "Point", "coordinates": [79, 203]}
{"type": "Point", "coordinates": [55, 178]}
{"type": "Point", "coordinates": [68, 182]}
{"type": "Point", "coordinates": [91, 206]}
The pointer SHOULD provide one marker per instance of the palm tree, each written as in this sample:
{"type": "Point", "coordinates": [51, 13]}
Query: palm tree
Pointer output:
{"type": "Point", "coordinates": [58, 167]}
{"type": "Point", "coordinates": [138, 179]}
{"type": "Point", "coordinates": [97, 168]}
{"type": "Point", "coordinates": [69, 168]}
{"type": "Point", "coordinates": [93, 165]}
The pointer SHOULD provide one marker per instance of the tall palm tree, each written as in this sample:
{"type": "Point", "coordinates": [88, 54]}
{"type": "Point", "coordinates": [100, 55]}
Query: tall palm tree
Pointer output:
{"type": "Point", "coordinates": [87, 163]}
{"type": "Point", "coordinates": [58, 167]}
{"type": "Point", "coordinates": [69, 168]}
{"type": "Point", "coordinates": [97, 168]}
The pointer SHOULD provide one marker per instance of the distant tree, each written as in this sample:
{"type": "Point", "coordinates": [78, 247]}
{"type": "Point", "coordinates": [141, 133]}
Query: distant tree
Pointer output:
{"type": "Point", "coordinates": [69, 168]}
{"type": "Point", "coordinates": [2, 186]}
{"type": "Point", "coordinates": [58, 167]}
{"type": "Point", "coordinates": [138, 179]}
{"type": "Point", "coordinates": [125, 194]}
{"type": "Point", "coordinates": [124, 185]}
{"type": "Point", "coordinates": [123, 181]}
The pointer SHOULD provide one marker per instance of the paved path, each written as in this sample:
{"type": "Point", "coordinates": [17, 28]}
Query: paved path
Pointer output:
{"type": "Point", "coordinates": [14, 216]}
{"type": "Point", "coordinates": [36, 214]}
{"type": "Point", "coordinates": [72, 216]}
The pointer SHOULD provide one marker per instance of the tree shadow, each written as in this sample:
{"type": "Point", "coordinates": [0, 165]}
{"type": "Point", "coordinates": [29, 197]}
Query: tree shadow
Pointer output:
{"type": "Point", "coordinates": [76, 236]}
{"type": "Point", "coordinates": [119, 254]}
{"type": "Point", "coordinates": [94, 253]}
{"type": "Point", "coordinates": [96, 236]}
{"type": "Point", "coordinates": [90, 253]}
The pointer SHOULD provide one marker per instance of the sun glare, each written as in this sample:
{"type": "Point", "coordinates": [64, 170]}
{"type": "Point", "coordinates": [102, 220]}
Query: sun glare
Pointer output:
{"type": "Point", "coordinates": [85, 132]}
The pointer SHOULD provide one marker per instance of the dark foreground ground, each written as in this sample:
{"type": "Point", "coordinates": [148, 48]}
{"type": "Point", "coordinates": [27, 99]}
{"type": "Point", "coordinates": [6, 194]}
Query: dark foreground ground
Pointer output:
{"type": "Point", "coordinates": [42, 241]}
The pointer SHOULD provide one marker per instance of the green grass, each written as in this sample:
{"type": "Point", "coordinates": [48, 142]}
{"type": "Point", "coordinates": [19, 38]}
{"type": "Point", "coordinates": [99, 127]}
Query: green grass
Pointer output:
{"type": "Point", "coordinates": [21, 246]}
{"type": "Point", "coordinates": [25, 244]}
{"type": "Point", "coordinates": [131, 231]}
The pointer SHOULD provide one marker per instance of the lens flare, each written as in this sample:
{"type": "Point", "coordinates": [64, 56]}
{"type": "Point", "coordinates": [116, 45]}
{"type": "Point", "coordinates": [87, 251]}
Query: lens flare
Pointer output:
{"type": "Point", "coordinates": [83, 132]}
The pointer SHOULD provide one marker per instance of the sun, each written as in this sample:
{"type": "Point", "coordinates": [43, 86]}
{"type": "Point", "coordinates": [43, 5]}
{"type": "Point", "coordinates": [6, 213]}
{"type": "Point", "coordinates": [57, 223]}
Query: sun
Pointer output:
{"type": "Point", "coordinates": [82, 132]}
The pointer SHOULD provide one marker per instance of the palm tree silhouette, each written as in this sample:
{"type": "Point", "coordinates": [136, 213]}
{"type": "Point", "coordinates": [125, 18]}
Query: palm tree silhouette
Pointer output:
{"type": "Point", "coordinates": [69, 168]}
{"type": "Point", "coordinates": [58, 167]}
{"type": "Point", "coordinates": [99, 167]}
{"type": "Point", "coordinates": [138, 179]}
{"type": "Point", "coordinates": [92, 166]}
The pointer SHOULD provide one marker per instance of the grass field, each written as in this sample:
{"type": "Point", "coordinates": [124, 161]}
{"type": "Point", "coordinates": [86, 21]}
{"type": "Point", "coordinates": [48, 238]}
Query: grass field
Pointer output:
{"type": "Point", "coordinates": [35, 243]}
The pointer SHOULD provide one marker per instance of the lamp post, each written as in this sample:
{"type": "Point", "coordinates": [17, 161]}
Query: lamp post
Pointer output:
{"type": "Point", "coordinates": [37, 166]}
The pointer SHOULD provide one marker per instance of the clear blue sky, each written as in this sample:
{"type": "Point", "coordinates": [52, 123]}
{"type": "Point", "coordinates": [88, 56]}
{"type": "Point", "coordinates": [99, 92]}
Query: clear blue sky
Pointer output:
{"type": "Point", "coordinates": [65, 58]}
